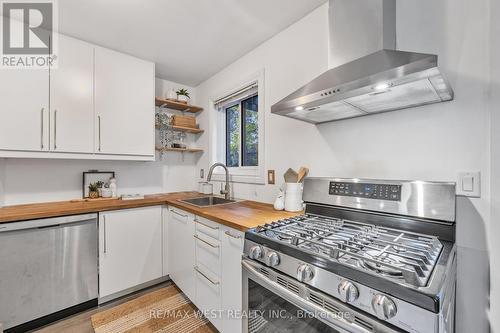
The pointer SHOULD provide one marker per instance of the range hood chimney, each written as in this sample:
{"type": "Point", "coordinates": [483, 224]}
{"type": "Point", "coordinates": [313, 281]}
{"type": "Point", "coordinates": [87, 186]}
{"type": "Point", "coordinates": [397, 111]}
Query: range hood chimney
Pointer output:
{"type": "Point", "coordinates": [380, 79]}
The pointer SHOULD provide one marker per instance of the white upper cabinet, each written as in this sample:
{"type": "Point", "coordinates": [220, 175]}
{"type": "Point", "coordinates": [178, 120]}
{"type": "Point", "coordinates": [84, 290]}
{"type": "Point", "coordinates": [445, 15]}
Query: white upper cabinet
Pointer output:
{"type": "Point", "coordinates": [93, 104]}
{"type": "Point", "coordinates": [71, 98]}
{"type": "Point", "coordinates": [124, 104]}
{"type": "Point", "coordinates": [24, 110]}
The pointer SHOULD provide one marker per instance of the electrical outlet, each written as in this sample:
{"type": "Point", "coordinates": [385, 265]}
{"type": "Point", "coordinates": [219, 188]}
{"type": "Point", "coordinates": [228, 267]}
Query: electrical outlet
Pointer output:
{"type": "Point", "coordinates": [202, 173]}
{"type": "Point", "coordinates": [271, 177]}
{"type": "Point", "coordinates": [469, 184]}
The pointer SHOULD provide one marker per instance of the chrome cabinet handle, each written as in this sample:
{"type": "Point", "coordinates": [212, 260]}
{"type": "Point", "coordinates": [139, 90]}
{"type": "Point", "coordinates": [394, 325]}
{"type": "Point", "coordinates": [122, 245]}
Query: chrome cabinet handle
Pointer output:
{"type": "Point", "coordinates": [178, 214]}
{"type": "Point", "coordinates": [206, 225]}
{"type": "Point", "coordinates": [204, 241]}
{"type": "Point", "coordinates": [215, 283]}
{"type": "Point", "coordinates": [55, 129]}
{"type": "Point", "coordinates": [41, 127]}
{"type": "Point", "coordinates": [99, 131]}
{"type": "Point", "coordinates": [231, 235]}
{"type": "Point", "coordinates": [105, 250]}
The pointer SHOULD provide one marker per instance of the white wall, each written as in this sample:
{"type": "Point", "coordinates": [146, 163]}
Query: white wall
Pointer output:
{"type": "Point", "coordinates": [429, 143]}
{"type": "Point", "coordinates": [289, 59]}
{"type": "Point", "coordinates": [162, 87]}
{"type": "Point", "coordinates": [2, 180]}
{"type": "Point", "coordinates": [40, 180]}
{"type": "Point", "coordinates": [494, 244]}
{"type": "Point", "coordinates": [37, 180]}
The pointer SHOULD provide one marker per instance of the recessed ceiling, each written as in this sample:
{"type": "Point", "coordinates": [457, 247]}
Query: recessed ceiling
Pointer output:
{"type": "Point", "coordinates": [189, 40]}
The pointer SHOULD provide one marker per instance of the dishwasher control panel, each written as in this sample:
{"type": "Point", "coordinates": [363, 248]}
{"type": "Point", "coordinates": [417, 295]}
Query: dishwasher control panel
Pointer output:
{"type": "Point", "coordinates": [366, 190]}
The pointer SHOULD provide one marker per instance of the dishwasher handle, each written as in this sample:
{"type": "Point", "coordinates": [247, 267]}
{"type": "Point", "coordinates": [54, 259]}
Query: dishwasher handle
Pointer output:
{"type": "Point", "coordinates": [46, 223]}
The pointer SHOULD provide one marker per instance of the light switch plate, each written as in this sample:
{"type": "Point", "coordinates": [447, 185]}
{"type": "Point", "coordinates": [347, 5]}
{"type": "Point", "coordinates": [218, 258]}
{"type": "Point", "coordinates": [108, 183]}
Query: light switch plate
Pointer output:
{"type": "Point", "coordinates": [469, 184]}
{"type": "Point", "coordinates": [271, 179]}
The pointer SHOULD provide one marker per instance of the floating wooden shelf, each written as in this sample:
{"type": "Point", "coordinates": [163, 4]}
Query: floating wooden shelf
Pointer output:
{"type": "Point", "coordinates": [185, 150]}
{"type": "Point", "coordinates": [184, 129]}
{"type": "Point", "coordinates": [170, 104]}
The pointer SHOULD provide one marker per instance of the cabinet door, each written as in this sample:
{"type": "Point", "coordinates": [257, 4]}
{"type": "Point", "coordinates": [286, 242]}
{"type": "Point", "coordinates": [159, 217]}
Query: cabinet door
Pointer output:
{"type": "Point", "coordinates": [24, 109]}
{"type": "Point", "coordinates": [71, 93]}
{"type": "Point", "coordinates": [181, 259]}
{"type": "Point", "coordinates": [130, 248]}
{"type": "Point", "coordinates": [124, 104]}
{"type": "Point", "coordinates": [165, 219]}
{"type": "Point", "coordinates": [231, 277]}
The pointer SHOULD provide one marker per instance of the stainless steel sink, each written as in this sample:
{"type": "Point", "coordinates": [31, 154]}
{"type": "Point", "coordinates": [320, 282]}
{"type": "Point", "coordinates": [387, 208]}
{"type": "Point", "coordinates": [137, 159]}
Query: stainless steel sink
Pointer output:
{"type": "Point", "coordinates": [208, 201]}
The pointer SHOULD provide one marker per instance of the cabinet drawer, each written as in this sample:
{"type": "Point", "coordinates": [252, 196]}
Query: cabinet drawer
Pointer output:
{"type": "Point", "coordinates": [207, 227]}
{"type": "Point", "coordinates": [180, 215]}
{"type": "Point", "coordinates": [208, 294]}
{"type": "Point", "coordinates": [207, 253]}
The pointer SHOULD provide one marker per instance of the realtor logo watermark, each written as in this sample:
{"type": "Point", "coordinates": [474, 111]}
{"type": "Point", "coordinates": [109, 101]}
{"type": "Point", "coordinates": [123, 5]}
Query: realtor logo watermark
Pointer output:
{"type": "Point", "coordinates": [27, 32]}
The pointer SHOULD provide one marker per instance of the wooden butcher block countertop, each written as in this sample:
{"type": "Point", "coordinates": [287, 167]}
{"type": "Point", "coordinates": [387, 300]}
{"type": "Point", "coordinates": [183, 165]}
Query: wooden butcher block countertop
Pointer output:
{"type": "Point", "coordinates": [241, 215]}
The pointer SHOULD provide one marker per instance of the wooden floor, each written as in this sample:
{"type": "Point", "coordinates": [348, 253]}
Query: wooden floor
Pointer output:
{"type": "Point", "coordinates": [80, 323]}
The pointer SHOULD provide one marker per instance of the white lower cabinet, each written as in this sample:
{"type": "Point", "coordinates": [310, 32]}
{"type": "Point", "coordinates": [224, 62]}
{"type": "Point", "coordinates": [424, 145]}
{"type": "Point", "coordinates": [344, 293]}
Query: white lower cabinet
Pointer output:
{"type": "Point", "coordinates": [231, 279]}
{"type": "Point", "coordinates": [204, 261]}
{"type": "Point", "coordinates": [165, 249]}
{"type": "Point", "coordinates": [208, 270]}
{"type": "Point", "coordinates": [181, 258]}
{"type": "Point", "coordinates": [208, 295]}
{"type": "Point", "coordinates": [130, 248]}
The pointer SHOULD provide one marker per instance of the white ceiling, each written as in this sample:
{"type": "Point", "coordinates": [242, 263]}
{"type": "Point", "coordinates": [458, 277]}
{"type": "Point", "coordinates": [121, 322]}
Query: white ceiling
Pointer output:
{"type": "Point", "coordinates": [189, 40]}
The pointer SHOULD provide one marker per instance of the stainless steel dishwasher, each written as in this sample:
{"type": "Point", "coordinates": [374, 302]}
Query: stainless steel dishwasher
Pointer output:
{"type": "Point", "coordinates": [48, 269]}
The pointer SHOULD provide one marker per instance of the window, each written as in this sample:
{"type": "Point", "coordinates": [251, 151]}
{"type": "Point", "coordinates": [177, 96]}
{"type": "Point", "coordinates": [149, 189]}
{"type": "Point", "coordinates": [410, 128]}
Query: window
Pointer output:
{"type": "Point", "coordinates": [242, 133]}
{"type": "Point", "coordinates": [237, 132]}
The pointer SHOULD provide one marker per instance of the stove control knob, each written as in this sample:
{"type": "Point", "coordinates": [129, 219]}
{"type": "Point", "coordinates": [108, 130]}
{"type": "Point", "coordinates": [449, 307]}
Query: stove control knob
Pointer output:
{"type": "Point", "coordinates": [348, 291]}
{"type": "Point", "coordinates": [305, 273]}
{"type": "Point", "coordinates": [384, 307]}
{"type": "Point", "coordinates": [272, 259]}
{"type": "Point", "coordinates": [255, 252]}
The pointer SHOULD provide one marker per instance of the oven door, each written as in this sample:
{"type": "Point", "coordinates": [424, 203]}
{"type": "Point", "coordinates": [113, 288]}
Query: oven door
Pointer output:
{"type": "Point", "coordinates": [273, 302]}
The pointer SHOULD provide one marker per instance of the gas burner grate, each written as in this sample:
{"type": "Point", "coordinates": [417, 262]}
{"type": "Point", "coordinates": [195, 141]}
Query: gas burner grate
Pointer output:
{"type": "Point", "coordinates": [384, 251]}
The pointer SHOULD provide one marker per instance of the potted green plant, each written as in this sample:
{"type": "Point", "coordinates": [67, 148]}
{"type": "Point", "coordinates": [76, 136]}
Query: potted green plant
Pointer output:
{"type": "Point", "coordinates": [182, 95]}
{"type": "Point", "coordinates": [93, 191]}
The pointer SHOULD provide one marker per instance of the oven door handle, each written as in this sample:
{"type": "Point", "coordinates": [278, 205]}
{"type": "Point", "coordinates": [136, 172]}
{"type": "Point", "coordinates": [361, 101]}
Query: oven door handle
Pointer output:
{"type": "Point", "coordinates": [342, 325]}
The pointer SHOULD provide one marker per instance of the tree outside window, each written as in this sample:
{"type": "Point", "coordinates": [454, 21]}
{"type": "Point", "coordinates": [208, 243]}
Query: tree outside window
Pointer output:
{"type": "Point", "coordinates": [242, 133]}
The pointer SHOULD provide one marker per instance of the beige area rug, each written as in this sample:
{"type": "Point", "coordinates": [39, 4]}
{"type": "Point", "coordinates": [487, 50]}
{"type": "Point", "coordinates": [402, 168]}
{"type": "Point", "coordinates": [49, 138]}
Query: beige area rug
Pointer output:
{"type": "Point", "coordinates": [166, 310]}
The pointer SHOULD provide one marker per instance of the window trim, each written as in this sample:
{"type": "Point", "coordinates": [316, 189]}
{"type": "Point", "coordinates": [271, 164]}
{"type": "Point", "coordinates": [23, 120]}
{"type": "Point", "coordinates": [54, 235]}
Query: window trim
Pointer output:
{"type": "Point", "coordinates": [241, 174]}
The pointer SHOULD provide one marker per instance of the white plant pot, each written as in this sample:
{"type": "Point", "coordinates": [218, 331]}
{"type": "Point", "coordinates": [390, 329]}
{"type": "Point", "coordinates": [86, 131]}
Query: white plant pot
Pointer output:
{"type": "Point", "coordinates": [182, 98]}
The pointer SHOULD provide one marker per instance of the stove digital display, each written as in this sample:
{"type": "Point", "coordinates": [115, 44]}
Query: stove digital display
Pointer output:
{"type": "Point", "coordinates": [365, 190]}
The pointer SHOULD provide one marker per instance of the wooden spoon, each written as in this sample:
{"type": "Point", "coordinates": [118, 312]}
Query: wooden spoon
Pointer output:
{"type": "Point", "coordinates": [303, 171]}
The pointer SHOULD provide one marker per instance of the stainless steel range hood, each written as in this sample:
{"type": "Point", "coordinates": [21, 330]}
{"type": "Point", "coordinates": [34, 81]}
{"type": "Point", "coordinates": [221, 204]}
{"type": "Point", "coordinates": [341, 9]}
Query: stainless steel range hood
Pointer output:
{"type": "Point", "coordinates": [382, 81]}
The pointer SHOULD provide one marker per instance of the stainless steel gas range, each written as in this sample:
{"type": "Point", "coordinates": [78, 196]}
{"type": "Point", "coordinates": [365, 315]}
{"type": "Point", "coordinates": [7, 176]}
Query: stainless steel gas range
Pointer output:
{"type": "Point", "coordinates": [367, 256]}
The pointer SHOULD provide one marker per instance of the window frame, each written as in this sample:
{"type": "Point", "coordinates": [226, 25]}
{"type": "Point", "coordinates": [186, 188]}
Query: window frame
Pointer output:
{"type": "Point", "coordinates": [240, 174]}
{"type": "Point", "coordinates": [242, 114]}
